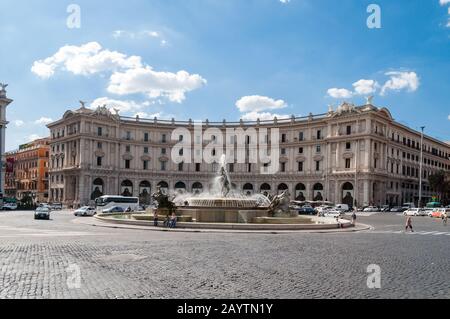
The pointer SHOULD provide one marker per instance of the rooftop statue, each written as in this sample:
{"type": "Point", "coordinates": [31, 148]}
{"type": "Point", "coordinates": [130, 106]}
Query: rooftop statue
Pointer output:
{"type": "Point", "coordinates": [3, 87]}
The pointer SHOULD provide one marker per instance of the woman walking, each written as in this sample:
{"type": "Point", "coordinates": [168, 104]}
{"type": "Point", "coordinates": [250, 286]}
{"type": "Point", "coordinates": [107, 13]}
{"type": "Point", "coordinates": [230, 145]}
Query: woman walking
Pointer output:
{"type": "Point", "coordinates": [409, 224]}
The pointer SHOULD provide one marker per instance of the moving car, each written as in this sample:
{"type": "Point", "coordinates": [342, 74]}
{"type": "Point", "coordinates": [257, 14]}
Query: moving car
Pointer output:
{"type": "Point", "coordinates": [385, 208]}
{"type": "Point", "coordinates": [306, 209]}
{"type": "Point", "coordinates": [85, 211]}
{"type": "Point", "coordinates": [415, 212]}
{"type": "Point", "coordinates": [114, 209]}
{"type": "Point", "coordinates": [9, 206]}
{"type": "Point", "coordinates": [323, 209]}
{"type": "Point", "coordinates": [42, 213]}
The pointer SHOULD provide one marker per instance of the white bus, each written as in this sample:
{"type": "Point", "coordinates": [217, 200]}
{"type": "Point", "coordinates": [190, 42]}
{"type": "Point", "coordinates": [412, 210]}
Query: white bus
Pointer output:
{"type": "Point", "coordinates": [109, 201]}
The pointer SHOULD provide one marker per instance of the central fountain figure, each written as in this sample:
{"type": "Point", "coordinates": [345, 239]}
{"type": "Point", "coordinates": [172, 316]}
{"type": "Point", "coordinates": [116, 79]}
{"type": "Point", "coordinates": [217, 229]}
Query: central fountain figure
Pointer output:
{"type": "Point", "coordinates": [224, 182]}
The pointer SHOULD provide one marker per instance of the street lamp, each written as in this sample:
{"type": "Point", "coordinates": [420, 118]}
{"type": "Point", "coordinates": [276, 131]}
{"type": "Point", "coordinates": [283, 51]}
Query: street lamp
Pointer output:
{"type": "Point", "coordinates": [421, 165]}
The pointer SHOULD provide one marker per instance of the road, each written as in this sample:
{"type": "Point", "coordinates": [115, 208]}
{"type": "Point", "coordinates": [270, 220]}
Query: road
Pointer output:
{"type": "Point", "coordinates": [41, 259]}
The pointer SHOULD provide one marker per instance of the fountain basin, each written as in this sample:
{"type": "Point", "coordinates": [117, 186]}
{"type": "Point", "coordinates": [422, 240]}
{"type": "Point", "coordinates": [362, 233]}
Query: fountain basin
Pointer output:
{"type": "Point", "coordinates": [216, 202]}
{"type": "Point", "coordinates": [222, 214]}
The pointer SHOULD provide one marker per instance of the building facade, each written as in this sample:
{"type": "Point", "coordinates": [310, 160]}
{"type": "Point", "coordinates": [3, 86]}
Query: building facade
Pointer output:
{"type": "Point", "coordinates": [27, 171]}
{"type": "Point", "coordinates": [356, 154]}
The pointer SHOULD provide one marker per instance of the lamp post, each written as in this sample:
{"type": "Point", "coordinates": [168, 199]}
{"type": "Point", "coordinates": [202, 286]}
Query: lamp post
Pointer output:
{"type": "Point", "coordinates": [421, 165]}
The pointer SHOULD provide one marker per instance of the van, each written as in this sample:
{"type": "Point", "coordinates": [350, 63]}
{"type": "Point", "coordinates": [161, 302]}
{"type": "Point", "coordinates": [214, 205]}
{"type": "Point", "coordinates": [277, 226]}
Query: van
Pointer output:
{"type": "Point", "coordinates": [342, 208]}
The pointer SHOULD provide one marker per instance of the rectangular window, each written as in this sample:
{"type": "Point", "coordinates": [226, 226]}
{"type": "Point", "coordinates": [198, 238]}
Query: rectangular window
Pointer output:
{"type": "Point", "coordinates": [128, 136]}
{"type": "Point", "coordinates": [375, 163]}
{"type": "Point", "coordinates": [99, 131]}
{"type": "Point", "coordinates": [319, 134]}
{"type": "Point", "coordinates": [163, 151]}
{"type": "Point", "coordinates": [145, 165]}
{"type": "Point", "coordinates": [283, 138]}
{"type": "Point", "coordinates": [180, 167]}
{"type": "Point", "coordinates": [347, 163]}
{"type": "Point", "coordinates": [99, 161]}
{"type": "Point", "coordinates": [163, 166]}
{"type": "Point", "coordinates": [127, 164]}
{"type": "Point", "coordinates": [349, 130]}
{"type": "Point", "coordinates": [99, 145]}
{"type": "Point", "coordinates": [301, 136]}
{"type": "Point", "coordinates": [146, 137]}
{"type": "Point", "coordinates": [318, 149]}
{"type": "Point", "coordinates": [317, 165]}
{"type": "Point", "coordinates": [283, 151]}
{"type": "Point", "coordinates": [128, 148]}
{"type": "Point", "coordinates": [197, 167]}
{"type": "Point", "coordinates": [348, 145]}
{"type": "Point", "coordinates": [231, 168]}
{"type": "Point", "coordinates": [300, 166]}
{"type": "Point", "coordinates": [300, 150]}
{"type": "Point", "coordinates": [145, 150]}
{"type": "Point", "coordinates": [164, 138]}
{"type": "Point", "coordinates": [249, 167]}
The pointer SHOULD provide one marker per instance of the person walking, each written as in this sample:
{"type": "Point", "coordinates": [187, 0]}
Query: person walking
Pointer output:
{"type": "Point", "coordinates": [354, 218]}
{"type": "Point", "coordinates": [173, 221]}
{"type": "Point", "coordinates": [444, 218]}
{"type": "Point", "coordinates": [409, 224]}
{"type": "Point", "coordinates": [155, 218]}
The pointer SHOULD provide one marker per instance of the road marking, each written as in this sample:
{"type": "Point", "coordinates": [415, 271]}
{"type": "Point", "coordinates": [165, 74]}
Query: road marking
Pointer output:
{"type": "Point", "coordinates": [442, 233]}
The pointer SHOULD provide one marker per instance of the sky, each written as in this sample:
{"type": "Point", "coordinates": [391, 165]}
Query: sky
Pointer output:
{"type": "Point", "coordinates": [224, 59]}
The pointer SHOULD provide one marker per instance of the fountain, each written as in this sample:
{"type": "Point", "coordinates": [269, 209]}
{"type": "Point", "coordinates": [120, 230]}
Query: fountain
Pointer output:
{"type": "Point", "coordinates": [222, 204]}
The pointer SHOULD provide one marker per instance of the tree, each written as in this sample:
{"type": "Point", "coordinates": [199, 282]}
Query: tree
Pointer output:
{"type": "Point", "coordinates": [440, 183]}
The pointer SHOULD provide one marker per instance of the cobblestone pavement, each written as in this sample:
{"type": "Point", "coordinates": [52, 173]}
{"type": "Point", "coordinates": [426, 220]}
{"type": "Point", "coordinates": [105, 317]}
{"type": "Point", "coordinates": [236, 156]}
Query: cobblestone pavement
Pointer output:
{"type": "Point", "coordinates": [38, 259]}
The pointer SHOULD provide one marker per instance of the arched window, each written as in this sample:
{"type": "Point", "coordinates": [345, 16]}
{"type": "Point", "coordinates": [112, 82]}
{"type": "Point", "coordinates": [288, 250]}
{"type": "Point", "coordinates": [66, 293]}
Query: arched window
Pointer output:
{"type": "Point", "coordinates": [145, 192]}
{"type": "Point", "coordinates": [300, 192]}
{"type": "Point", "coordinates": [127, 188]}
{"type": "Point", "coordinates": [197, 188]}
{"type": "Point", "coordinates": [97, 188]}
{"type": "Point", "coordinates": [318, 192]}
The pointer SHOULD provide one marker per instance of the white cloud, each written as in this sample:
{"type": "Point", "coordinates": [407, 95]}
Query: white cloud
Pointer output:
{"type": "Point", "coordinates": [122, 106]}
{"type": "Point", "coordinates": [365, 87]}
{"type": "Point", "coordinates": [340, 93]}
{"type": "Point", "coordinates": [129, 75]}
{"type": "Point", "coordinates": [263, 116]}
{"type": "Point", "coordinates": [43, 121]}
{"type": "Point", "coordinates": [155, 84]}
{"type": "Point", "coordinates": [144, 115]}
{"type": "Point", "coordinates": [285, 1]}
{"type": "Point", "coordinates": [86, 59]}
{"type": "Point", "coordinates": [33, 137]}
{"type": "Point", "coordinates": [257, 103]}
{"type": "Point", "coordinates": [401, 81]}
{"type": "Point", "coordinates": [19, 123]}
{"type": "Point", "coordinates": [444, 2]}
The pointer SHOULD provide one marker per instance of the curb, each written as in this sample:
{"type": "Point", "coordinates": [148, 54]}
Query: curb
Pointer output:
{"type": "Point", "coordinates": [358, 228]}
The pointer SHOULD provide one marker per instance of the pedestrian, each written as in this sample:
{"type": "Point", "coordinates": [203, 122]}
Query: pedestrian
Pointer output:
{"type": "Point", "coordinates": [409, 224]}
{"type": "Point", "coordinates": [155, 218]}
{"type": "Point", "coordinates": [167, 221]}
{"type": "Point", "coordinates": [173, 221]}
{"type": "Point", "coordinates": [444, 218]}
{"type": "Point", "coordinates": [353, 218]}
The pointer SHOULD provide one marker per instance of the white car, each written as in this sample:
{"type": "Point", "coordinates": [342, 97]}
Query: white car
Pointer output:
{"type": "Point", "coordinates": [414, 212]}
{"type": "Point", "coordinates": [42, 213]}
{"type": "Point", "coordinates": [332, 213]}
{"type": "Point", "coordinates": [9, 206]}
{"type": "Point", "coordinates": [371, 209]}
{"type": "Point", "coordinates": [85, 211]}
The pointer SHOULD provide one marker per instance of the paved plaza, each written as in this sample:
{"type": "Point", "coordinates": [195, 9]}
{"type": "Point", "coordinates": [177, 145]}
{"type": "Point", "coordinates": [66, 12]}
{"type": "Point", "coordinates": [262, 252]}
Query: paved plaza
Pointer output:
{"type": "Point", "coordinates": [38, 259]}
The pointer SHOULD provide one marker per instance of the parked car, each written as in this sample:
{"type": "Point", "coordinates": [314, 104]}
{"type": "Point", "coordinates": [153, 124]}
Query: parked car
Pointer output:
{"type": "Point", "coordinates": [371, 209]}
{"type": "Point", "coordinates": [438, 212]}
{"type": "Point", "coordinates": [114, 209]}
{"type": "Point", "coordinates": [85, 211]}
{"type": "Point", "coordinates": [342, 207]}
{"type": "Point", "coordinates": [333, 213]}
{"type": "Point", "coordinates": [9, 206]}
{"type": "Point", "coordinates": [323, 209]}
{"type": "Point", "coordinates": [414, 212]}
{"type": "Point", "coordinates": [397, 209]}
{"type": "Point", "coordinates": [57, 206]}
{"type": "Point", "coordinates": [42, 213]}
{"type": "Point", "coordinates": [307, 209]}
{"type": "Point", "coordinates": [385, 208]}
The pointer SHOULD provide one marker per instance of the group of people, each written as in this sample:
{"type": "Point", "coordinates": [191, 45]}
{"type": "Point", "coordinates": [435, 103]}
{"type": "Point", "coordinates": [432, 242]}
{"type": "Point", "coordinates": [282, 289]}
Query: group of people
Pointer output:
{"type": "Point", "coordinates": [169, 221]}
{"type": "Point", "coordinates": [409, 226]}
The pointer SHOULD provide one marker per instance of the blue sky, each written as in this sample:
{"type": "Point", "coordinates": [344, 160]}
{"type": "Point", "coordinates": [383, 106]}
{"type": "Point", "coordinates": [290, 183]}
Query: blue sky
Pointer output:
{"type": "Point", "coordinates": [224, 59]}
